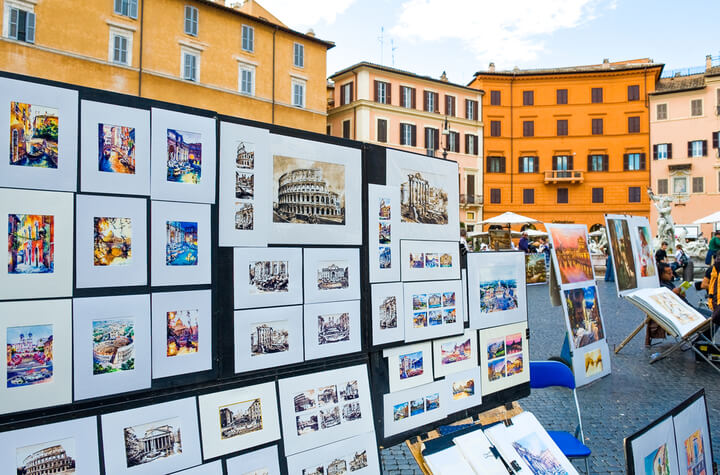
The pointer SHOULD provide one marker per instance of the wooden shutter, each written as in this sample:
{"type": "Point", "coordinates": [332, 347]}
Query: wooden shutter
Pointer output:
{"type": "Point", "coordinates": [689, 149]}
{"type": "Point", "coordinates": [502, 164]}
{"type": "Point", "coordinates": [487, 164]}
{"type": "Point", "coordinates": [554, 162]}
{"type": "Point", "coordinates": [520, 164]}
{"type": "Point", "coordinates": [589, 163]}
{"type": "Point", "coordinates": [436, 102]}
{"type": "Point", "coordinates": [467, 144]}
{"type": "Point", "coordinates": [570, 163]}
{"type": "Point", "coordinates": [413, 98]}
{"type": "Point", "coordinates": [669, 150]}
{"type": "Point", "coordinates": [642, 161]}
{"type": "Point", "coordinates": [625, 161]}
{"type": "Point", "coordinates": [352, 95]}
{"type": "Point", "coordinates": [716, 136]}
{"type": "Point", "coordinates": [606, 162]}
{"type": "Point", "coordinates": [704, 148]}
{"type": "Point", "coordinates": [388, 89]}
{"type": "Point", "coordinates": [414, 135]}
{"type": "Point", "coordinates": [436, 138]}
{"type": "Point", "coordinates": [655, 151]}
{"type": "Point", "coordinates": [376, 85]}
{"type": "Point", "coordinates": [30, 28]}
{"type": "Point", "coordinates": [536, 165]}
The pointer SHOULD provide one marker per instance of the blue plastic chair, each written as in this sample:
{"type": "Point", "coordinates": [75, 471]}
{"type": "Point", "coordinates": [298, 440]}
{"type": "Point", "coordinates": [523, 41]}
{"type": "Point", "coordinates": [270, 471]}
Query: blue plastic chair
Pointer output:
{"type": "Point", "coordinates": [545, 374]}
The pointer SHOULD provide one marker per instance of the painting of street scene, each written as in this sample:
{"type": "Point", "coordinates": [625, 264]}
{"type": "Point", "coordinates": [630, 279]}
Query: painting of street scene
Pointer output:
{"type": "Point", "coordinates": [149, 442]}
{"type": "Point", "coordinates": [333, 328]}
{"type": "Point", "coordinates": [306, 424]}
{"type": "Point", "coordinates": [305, 400]}
{"type": "Point", "coordinates": [112, 241]}
{"type": "Point", "coordinates": [327, 395]}
{"type": "Point", "coordinates": [329, 417]}
{"type": "Point", "coordinates": [454, 351]}
{"type": "Point", "coordinates": [496, 348]}
{"type": "Point", "coordinates": [240, 418]}
{"type": "Point", "coordinates": [420, 319]}
{"type": "Point", "coordinates": [29, 355]}
{"type": "Point", "coordinates": [401, 411]}
{"type": "Point", "coordinates": [182, 244]}
{"type": "Point", "coordinates": [448, 299]}
{"type": "Point", "coordinates": [385, 257]}
{"type": "Point", "coordinates": [31, 244]}
{"type": "Point", "coordinates": [245, 155]}
{"type": "Point", "coordinates": [496, 369]}
{"type": "Point", "coordinates": [584, 315]}
{"type": "Point", "coordinates": [388, 313]}
{"type": "Point", "coordinates": [350, 391]}
{"type": "Point", "coordinates": [384, 208]}
{"type": "Point", "coordinates": [449, 315]}
{"type": "Point", "coordinates": [417, 406]}
{"type": "Point", "coordinates": [244, 217]}
{"type": "Point", "coordinates": [431, 260]}
{"type": "Point", "coordinates": [572, 253]}
{"type": "Point", "coordinates": [333, 275]}
{"type": "Point", "coordinates": [645, 254]}
{"type": "Point", "coordinates": [658, 462]}
{"type": "Point", "coordinates": [593, 363]}
{"type": "Point", "coordinates": [622, 253]}
{"type": "Point", "coordinates": [513, 343]}
{"type": "Point", "coordinates": [116, 149]}
{"type": "Point", "coordinates": [537, 455]}
{"type": "Point", "coordinates": [435, 317]}
{"type": "Point", "coordinates": [308, 191]}
{"type": "Point", "coordinates": [184, 156]}
{"type": "Point", "coordinates": [417, 261]}
{"type": "Point", "coordinates": [498, 295]}
{"type": "Point", "coordinates": [434, 300]}
{"type": "Point", "coordinates": [384, 233]}
{"type": "Point", "coordinates": [268, 338]}
{"type": "Point", "coordinates": [463, 389]}
{"type": "Point", "coordinates": [182, 332]}
{"type": "Point", "coordinates": [419, 301]}
{"type": "Point", "coordinates": [266, 277]}
{"type": "Point", "coordinates": [411, 365]}
{"type": "Point", "coordinates": [514, 364]}
{"type": "Point", "coordinates": [421, 200]}
{"type": "Point", "coordinates": [33, 135]}
{"type": "Point", "coordinates": [113, 345]}
{"type": "Point", "coordinates": [432, 402]}
{"type": "Point", "coordinates": [56, 457]}
{"type": "Point", "coordinates": [535, 269]}
{"type": "Point", "coordinates": [244, 186]}
{"type": "Point", "coordinates": [695, 454]}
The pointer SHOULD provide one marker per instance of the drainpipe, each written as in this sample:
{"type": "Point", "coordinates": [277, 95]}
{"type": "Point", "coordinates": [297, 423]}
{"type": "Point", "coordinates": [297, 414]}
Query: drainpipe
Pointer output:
{"type": "Point", "coordinates": [512, 79]}
{"type": "Point", "coordinates": [142, 22]}
{"type": "Point", "coordinates": [648, 159]}
{"type": "Point", "coordinates": [273, 75]}
{"type": "Point", "coordinates": [355, 88]}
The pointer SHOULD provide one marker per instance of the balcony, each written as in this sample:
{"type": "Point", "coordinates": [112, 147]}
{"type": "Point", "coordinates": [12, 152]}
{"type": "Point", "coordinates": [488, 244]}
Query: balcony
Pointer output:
{"type": "Point", "coordinates": [471, 200]}
{"type": "Point", "coordinates": [564, 176]}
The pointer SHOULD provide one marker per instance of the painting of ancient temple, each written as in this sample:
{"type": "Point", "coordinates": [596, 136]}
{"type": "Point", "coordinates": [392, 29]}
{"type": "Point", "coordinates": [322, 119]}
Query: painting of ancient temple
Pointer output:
{"type": "Point", "coordinates": [421, 201]}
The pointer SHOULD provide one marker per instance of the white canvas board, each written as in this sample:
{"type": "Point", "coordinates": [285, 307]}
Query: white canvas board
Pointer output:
{"type": "Point", "coordinates": [591, 362]}
{"type": "Point", "coordinates": [432, 309]}
{"type": "Point", "coordinates": [466, 309]}
{"type": "Point", "coordinates": [335, 172]}
{"type": "Point", "coordinates": [212, 468]}
{"type": "Point", "coordinates": [583, 316]}
{"type": "Point", "coordinates": [268, 338]}
{"type": "Point", "coordinates": [409, 366]}
{"type": "Point", "coordinates": [356, 455]}
{"type": "Point", "coordinates": [464, 389]}
{"type": "Point", "coordinates": [177, 418]}
{"type": "Point", "coordinates": [42, 265]}
{"type": "Point", "coordinates": [570, 254]}
{"type": "Point", "coordinates": [388, 311]}
{"type": "Point", "coordinates": [180, 243]}
{"type": "Point", "coordinates": [475, 447]}
{"type": "Point", "coordinates": [76, 437]}
{"type": "Point", "coordinates": [449, 461]}
{"type": "Point", "coordinates": [503, 362]}
{"type": "Point", "coordinates": [415, 407]}
{"type": "Point", "coordinates": [259, 462]}
{"type": "Point", "coordinates": [383, 233]}
{"type": "Point", "coordinates": [37, 170]}
{"type": "Point", "coordinates": [455, 353]}
{"type": "Point", "coordinates": [111, 246]}
{"type": "Point", "coordinates": [111, 345]}
{"type": "Point", "coordinates": [245, 207]}
{"type": "Point", "coordinates": [36, 380]}
{"type": "Point", "coordinates": [656, 448]}
{"type": "Point", "coordinates": [429, 260]}
{"type": "Point", "coordinates": [332, 329]}
{"type": "Point", "coordinates": [238, 419]}
{"type": "Point", "coordinates": [331, 274]}
{"type": "Point", "coordinates": [114, 149]}
{"type": "Point", "coordinates": [664, 302]}
{"type": "Point", "coordinates": [621, 243]}
{"type": "Point", "coordinates": [267, 277]}
{"type": "Point", "coordinates": [325, 407]}
{"type": "Point", "coordinates": [497, 291]}
{"type": "Point", "coordinates": [692, 437]}
{"type": "Point", "coordinates": [435, 214]}
{"type": "Point", "coordinates": [642, 240]}
{"type": "Point", "coordinates": [182, 332]}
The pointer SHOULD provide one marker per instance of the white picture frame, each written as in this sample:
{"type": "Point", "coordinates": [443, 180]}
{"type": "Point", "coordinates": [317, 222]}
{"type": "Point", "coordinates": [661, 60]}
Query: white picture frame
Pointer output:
{"type": "Point", "coordinates": [255, 284]}
{"type": "Point", "coordinates": [574, 238]}
{"type": "Point", "coordinates": [192, 349]}
{"type": "Point", "coordinates": [440, 260]}
{"type": "Point", "coordinates": [180, 412]}
{"type": "Point", "coordinates": [42, 318]}
{"type": "Point", "coordinates": [650, 443]}
{"type": "Point", "coordinates": [648, 275]}
{"type": "Point", "coordinates": [76, 437]}
{"type": "Point", "coordinates": [409, 366]}
{"type": "Point", "coordinates": [220, 410]}
{"type": "Point", "coordinates": [244, 215]}
{"type": "Point", "coordinates": [101, 369]}
{"type": "Point", "coordinates": [486, 271]}
{"type": "Point", "coordinates": [591, 362]}
{"type": "Point", "coordinates": [131, 176]}
{"type": "Point", "coordinates": [285, 329]}
{"type": "Point", "coordinates": [432, 309]}
{"type": "Point", "coordinates": [456, 353]}
{"type": "Point", "coordinates": [496, 357]}
{"type": "Point", "coordinates": [388, 312]}
{"type": "Point", "coordinates": [178, 219]}
{"type": "Point", "coordinates": [383, 248]}
{"type": "Point", "coordinates": [259, 461]}
{"type": "Point", "coordinates": [334, 338]}
{"type": "Point", "coordinates": [352, 414]}
{"type": "Point", "coordinates": [189, 127]}
{"type": "Point", "coordinates": [464, 280]}
{"type": "Point", "coordinates": [25, 282]}
{"type": "Point", "coordinates": [110, 216]}
{"type": "Point", "coordinates": [620, 237]}
{"type": "Point", "coordinates": [211, 468]}
{"type": "Point", "coordinates": [49, 101]}
{"type": "Point", "coordinates": [461, 394]}
{"type": "Point", "coordinates": [323, 274]}
{"type": "Point", "coordinates": [289, 153]}
{"type": "Point", "coordinates": [358, 454]}
{"type": "Point", "coordinates": [688, 423]}
{"type": "Point", "coordinates": [581, 307]}
{"type": "Point", "coordinates": [398, 407]}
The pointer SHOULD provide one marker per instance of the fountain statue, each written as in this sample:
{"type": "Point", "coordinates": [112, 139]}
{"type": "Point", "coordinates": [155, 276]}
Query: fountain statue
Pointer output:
{"type": "Point", "coordinates": [665, 223]}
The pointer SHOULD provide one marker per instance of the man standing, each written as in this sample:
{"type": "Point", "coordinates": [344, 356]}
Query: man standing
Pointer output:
{"type": "Point", "coordinates": [524, 243]}
{"type": "Point", "coordinates": [661, 254]}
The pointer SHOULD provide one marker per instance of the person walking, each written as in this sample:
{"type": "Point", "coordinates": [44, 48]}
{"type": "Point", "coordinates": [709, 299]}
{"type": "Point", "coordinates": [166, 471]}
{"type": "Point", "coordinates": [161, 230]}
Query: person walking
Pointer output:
{"type": "Point", "coordinates": [681, 260]}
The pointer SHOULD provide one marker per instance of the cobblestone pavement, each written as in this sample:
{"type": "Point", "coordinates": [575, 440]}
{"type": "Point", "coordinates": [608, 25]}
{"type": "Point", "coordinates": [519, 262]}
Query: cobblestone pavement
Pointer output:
{"type": "Point", "coordinates": [635, 394]}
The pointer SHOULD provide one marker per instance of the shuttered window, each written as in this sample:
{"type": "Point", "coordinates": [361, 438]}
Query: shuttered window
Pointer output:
{"type": "Point", "coordinates": [633, 125]}
{"type": "Point", "coordinates": [495, 128]}
{"type": "Point", "coordinates": [598, 195]}
{"type": "Point", "coordinates": [120, 49]}
{"type": "Point", "coordinates": [22, 25]}
{"type": "Point", "coordinates": [126, 8]}
{"type": "Point", "coordinates": [494, 98]}
{"type": "Point", "coordinates": [528, 196]}
{"type": "Point", "coordinates": [382, 92]}
{"type": "Point", "coordinates": [696, 107]}
{"type": "Point", "coordinates": [596, 95]}
{"type": "Point", "coordinates": [449, 105]}
{"type": "Point", "coordinates": [661, 111]}
{"type": "Point", "coordinates": [298, 55]}
{"type": "Point", "coordinates": [454, 142]}
{"type": "Point", "coordinates": [495, 195]}
{"type": "Point", "coordinates": [191, 20]}
{"type": "Point", "coordinates": [528, 128]}
{"type": "Point", "coordinates": [495, 165]}
{"type": "Point", "coordinates": [408, 135]}
{"type": "Point", "coordinates": [430, 100]}
{"type": "Point", "coordinates": [382, 130]}
{"type": "Point", "coordinates": [598, 163]}
{"type": "Point", "coordinates": [662, 186]}
{"type": "Point", "coordinates": [562, 96]}
{"type": "Point", "coordinates": [528, 98]}
{"type": "Point", "coordinates": [471, 144]}
{"type": "Point", "coordinates": [190, 67]}
{"type": "Point", "coordinates": [697, 148]}
{"type": "Point", "coordinates": [597, 126]}
{"type": "Point", "coordinates": [634, 194]}
{"type": "Point", "coordinates": [698, 184]}
{"type": "Point", "coordinates": [346, 93]}
{"type": "Point", "coordinates": [248, 38]}
{"type": "Point", "coordinates": [633, 93]}
{"type": "Point", "coordinates": [346, 129]}
{"type": "Point", "coordinates": [471, 109]}
{"type": "Point", "coordinates": [633, 161]}
{"type": "Point", "coordinates": [528, 164]}
{"type": "Point", "coordinates": [432, 138]}
{"type": "Point", "coordinates": [562, 127]}
{"type": "Point", "coordinates": [562, 195]}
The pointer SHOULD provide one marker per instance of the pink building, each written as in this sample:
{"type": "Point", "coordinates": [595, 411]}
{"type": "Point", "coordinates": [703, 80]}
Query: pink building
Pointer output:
{"type": "Point", "coordinates": [684, 126]}
{"type": "Point", "coordinates": [398, 109]}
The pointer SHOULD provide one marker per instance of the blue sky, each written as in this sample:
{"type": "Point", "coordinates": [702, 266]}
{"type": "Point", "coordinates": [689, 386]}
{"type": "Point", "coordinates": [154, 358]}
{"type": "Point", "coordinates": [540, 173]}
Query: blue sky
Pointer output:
{"type": "Point", "coordinates": [463, 36]}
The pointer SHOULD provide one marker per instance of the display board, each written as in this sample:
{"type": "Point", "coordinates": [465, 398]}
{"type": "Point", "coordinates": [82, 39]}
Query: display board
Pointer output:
{"type": "Point", "coordinates": [630, 244]}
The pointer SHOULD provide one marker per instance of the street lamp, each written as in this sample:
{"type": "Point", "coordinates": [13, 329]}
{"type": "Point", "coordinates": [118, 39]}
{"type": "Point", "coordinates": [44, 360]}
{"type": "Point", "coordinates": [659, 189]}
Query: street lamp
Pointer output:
{"type": "Point", "coordinates": [446, 133]}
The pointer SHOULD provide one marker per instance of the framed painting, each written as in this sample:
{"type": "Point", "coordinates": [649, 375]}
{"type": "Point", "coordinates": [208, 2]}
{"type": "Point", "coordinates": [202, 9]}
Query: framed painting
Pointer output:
{"type": "Point", "coordinates": [388, 310]}
{"type": "Point", "coordinates": [409, 366]}
{"type": "Point", "coordinates": [591, 362]}
{"type": "Point", "coordinates": [181, 244]}
{"type": "Point", "coordinates": [183, 157]}
{"type": "Point", "coordinates": [433, 309]}
{"type": "Point", "coordinates": [647, 274]}
{"type": "Point", "coordinates": [262, 461]}
{"type": "Point", "coordinates": [332, 329]}
{"type": "Point", "coordinates": [114, 149]}
{"type": "Point", "coordinates": [570, 253]}
{"type": "Point", "coordinates": [267, 277]}
{"type": "Point", "coordinates": [584, 320]}
{"type": "Point", "coordinates": [620, 242]}
{"type": "Point", "coordinates": [464, 389]}
{"type": "Point", "coordinates": [415, 407]}
{"type": "Point", "coordinates": [497, 293]}
{"type": "Point", "coordinates": [692, 437]}
{"type": "Point", "coordinates": [111, 345]}
{"type": "Point", "coordinates": [181, 332]}
{"type": "Point", "coordinates": [39, 258]}
{"type": "Point", "coordinates": [357, 455]}
{"type": "Point", "coordinates": [652, 450]}
{"type": "Point", "coordinates": [38, 338]}
{"type": "Point", "coordinates": [429, 260]}
{"type": "Point", "coordinates": [455, 353]}
{"type": "Point", "coordinates": [331, 274]}
{"type": "Point", "coordinates": [268, 338]}
{"type": "Point", "coordinates": [504, 357]}
{"type": "Point", "coordinates": [535, 268]}
{"type": "Point", "coordinates": [212, 468]}
{"type": "Point", "coordinates": [40, 124]}
{"type": "Point", "coordinates": [500, 239]}
{"type": "Point", "coordinates": [383, 247]}
{"type": "Point", "coordinates": [111, 241]}
{"type": "Point", "coordinates": [238, 419]}
{"type": "Point", "coordinates": [316, 192]}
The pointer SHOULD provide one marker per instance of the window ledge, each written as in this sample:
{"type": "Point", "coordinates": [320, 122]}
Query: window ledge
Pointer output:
{"type": "Point", "coordinates": [196, 45]}
{"type": "Point", "coordinates": [298, 76]}
{"type": "Point", "coordinates": [122, 26]}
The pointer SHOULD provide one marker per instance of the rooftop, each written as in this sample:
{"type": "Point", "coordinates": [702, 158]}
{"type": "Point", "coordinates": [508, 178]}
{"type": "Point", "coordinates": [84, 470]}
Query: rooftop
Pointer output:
{"type": "Point", "coordinates": [605, 66]}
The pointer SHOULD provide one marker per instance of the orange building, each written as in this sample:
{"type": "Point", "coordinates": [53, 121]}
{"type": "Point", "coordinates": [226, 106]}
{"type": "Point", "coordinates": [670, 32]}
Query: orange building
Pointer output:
{"type": "Point", "coordinates": [567, 145]}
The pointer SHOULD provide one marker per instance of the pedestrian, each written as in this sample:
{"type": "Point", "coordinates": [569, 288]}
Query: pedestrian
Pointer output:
{"type": "Point", "coordinates": [713, 247]}
{"type": "Point", "coordinates": [661, 254]}
{"type": "Point", "coordinates": [524, 243]}
{"type": "Point", "coordinates": [463, 241]}
{"type": "Point", "coordinates": [681, 259]}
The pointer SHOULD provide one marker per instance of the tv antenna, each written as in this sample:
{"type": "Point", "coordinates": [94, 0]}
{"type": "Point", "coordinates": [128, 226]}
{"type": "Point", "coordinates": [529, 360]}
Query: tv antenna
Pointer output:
{"type": "Point", "coordinates": [381, 38]}
{"type": "Point", "coordinates": [392, 50]}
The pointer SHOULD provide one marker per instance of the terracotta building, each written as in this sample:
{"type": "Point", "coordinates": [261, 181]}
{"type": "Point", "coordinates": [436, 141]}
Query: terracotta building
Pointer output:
{"type": "Point", "coordinates": [568, 144]}
{"type": "Point", "coordinates": [239, 60]}
{"type": "Point", "coordinates": [403, 110]}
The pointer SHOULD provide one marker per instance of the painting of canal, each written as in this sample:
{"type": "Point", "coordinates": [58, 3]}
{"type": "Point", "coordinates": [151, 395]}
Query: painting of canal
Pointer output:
{"type": "Point", "coordinates": [182, 246]}
{"type": "Point", "coordinates": [33, 135]}
{"type": "Point", "coordinates": [31, 244]}
{"type": "Point", "coordinates": [184, 156]}
{"type": "Point", "coordinates": [116, 149]}
{"type": "Point", "coordinates": [29, 355]}
{"type": "Point", "coordinates": [182, 332]}
{"type": "Point", "coordinates": [113, 345]}
{"type": "Point", "coordinates": [112, 239]}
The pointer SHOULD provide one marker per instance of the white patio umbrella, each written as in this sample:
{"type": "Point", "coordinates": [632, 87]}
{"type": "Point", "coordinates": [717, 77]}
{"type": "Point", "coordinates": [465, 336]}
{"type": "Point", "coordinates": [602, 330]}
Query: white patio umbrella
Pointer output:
{"type": "Point", "coordinates": [712, 218]}
{"type": "Point", "coordinates": [530, 232]}
{"type": "Point", "coordinates": [475, 234]}
{"type": "Point", "coordinates": [509, 218]}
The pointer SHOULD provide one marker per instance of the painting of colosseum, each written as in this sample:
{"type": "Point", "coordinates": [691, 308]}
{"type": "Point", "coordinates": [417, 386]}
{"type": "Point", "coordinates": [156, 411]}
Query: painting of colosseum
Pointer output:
{"type": "Point", "coordinates": [308, 191]}
{"type": "Point", "coordinates": [421, 201]}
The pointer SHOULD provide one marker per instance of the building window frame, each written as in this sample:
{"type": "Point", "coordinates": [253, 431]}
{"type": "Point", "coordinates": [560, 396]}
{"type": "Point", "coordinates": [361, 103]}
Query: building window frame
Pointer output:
{"type": "Point", "coordinates": [528, 164]}
{"type": "Point", "coordinates": [432, 138]}
{"type": "Point", "coordinates": [528, 128]}
{"type": "Point", "coordinates": [430, 101]}
{"type": "Point", "coordinates": [633, 92]}
{"type": "Point", "coordinates": [698, 184]}
{"type": "Point", "coordinates": [450, 105]}
{"type": "Point", "coordinates": [128, 8]}
{"type": "Point", "coordinates": [246, 71]}
{"type": "Point", "coordinates": [406, 134]}
{"type": "Point", "coordinates": [528, 196]}
{"type": "Point", "coordinates": [633, 124]}
{"type": "Point", "coordinates": [192, 20]}
{"type": "Point", "coordinates": [598, 162]}
{"type": "Point", "coordinates": [680, 185]}
{"type": "Point", "coordinates": [562, 127]}
{"type": "Point", "coordinates": [298, 92]}
{"type": "Point", "coordinates": [346, 93]}
{"type": "Point", "coordinates": [634, 194]}
{"type": "Point", "coordinates": [495, 195]}
{"type": "Point", "coordinates": [120, 33]}
{"type": "Point", "coordinates": [598, 195]}
{"type": "Point", "coordinates": [697, 107]}
{"type": "Point", "coordinates": [407, 97]}
{"type": "Point", "coordinates": [563, 195]}
{"type": "Point", "coordinates": [495, 164]}
{"type": "Point", "coordinates": [634, 161]}
{"type": "Point", "coordinates": [662, 186]}
{"type": "Point", "coordinates": [664, 115]}
{"type": "Point", "coordinates": [346, 131]}
{"type": "Point", "coordinates": [377, 129]}
{"type": "Point", "coordinates": [529, 98]}
{"type": "Point", "coordinates": [561, 96]}
{"type": "Point", "coordinates": [382, 92]}
{"type": "Point", "coordinates": [495, 98]}
{"type": "Point", "coordinates": [248, 39]}
{"type": "Point", "coordinates": [495, 128]}
{"type": "Point", "coordinates": [472, 144]}
{"type": "Point", "coordinates": [189, 72]}
{"type": "Point", "coordinates": [596, 95]}
{"type": "Point", "coordinates": [453, 144]}
{"type": "Point", "coordinates": [471, 109]}
{"type": "Point", "coordinates": [597, 126]}
{"type": "Point", "coordinates": [299, 55]}
{"type": "Point", "coordinates": [697, 148]}
{"type": "Point", "coordinates": [14, 12]}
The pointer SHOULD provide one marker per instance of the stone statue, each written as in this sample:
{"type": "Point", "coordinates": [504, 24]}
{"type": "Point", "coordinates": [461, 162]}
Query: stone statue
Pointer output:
{"type": "Point", "coordinates": [665, 223]}
{"type": "Point", "coordinates": [598, 242]}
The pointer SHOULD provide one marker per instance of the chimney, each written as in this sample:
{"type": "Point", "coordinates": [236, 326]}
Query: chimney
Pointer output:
{"type": "Point", "coordinates": [443, 77]}
{"type": "Point", "coordinates": [708, 62]}
{"type": "Point", "coordinates": [491, 68]}
{"type": "Point", "coordinates": [606, 63]}
{"type": "Point", "coordinates": [311, 32]}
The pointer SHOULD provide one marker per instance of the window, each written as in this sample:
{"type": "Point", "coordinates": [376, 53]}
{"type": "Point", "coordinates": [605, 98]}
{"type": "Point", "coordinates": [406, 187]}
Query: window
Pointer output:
{"type": "Point", "coordinates": [247, 79]}
{"type": "Point", "coordinates": [190, 65]}
{"type": "Point", "coordinates": [328, 130]}
{"type": "Point", "coordinates": [716, 138]}
{"type": "Point", "coordinates": [562, 163]}
{"type": "Point", "coordinates": [248, 38]}
{"type": "Point", "coordinates": [697, 148]}
{"type": "Point", "coordinates": [454, 142]}
{"type": "Point", "coordinates": [298, 55]}
{"type": "Point", "coordinates": [633, 161]}
{"type": "Point", "coordinates": [471, 109]}
{"type": "Point", "coordinates": [495, 164]}
{"type": "Point", "coordinates": [698, 184]}
{"type": "Point", "coordinates": [346, 93]}
{"type": "Point", "coordinates": [432, 138]}
{"type": "Point", "coordinates": [407, 97]}
{"type": "Point", "coordinates": [449, 105]}
{"type": "Point", "coordinates": [494, 98]}
{"type": "Point", "coordinates": [562, 127]}
{"type": "Point", "coordinates": [346, 129]}
{"type": "Point", "coordinates": [382, 92]}
{"type": "Point", "coordinates": [528, 98]}
{"type": "Point", "coordinates": [662, 186]}
{"type": "Point", "coordinates": [633, 194]}
{"type": "Point", "coordinates": [528, 128]}
{"type": "Point", "coordinates": [191, 20]}
{"type": "Point", "coordinates": [298, 93]}
{"type": "Point", "coordinates": [696, 107]}
{"type": "Point", "coordinates": [470, 188]}
{"type": "Point", "coordinates": [633, 125]}
{"type": "Point", "coordinates": [597, 126]}
{"type": "Point", "coordinates": [661, 151]}
{"type": "Point", "coordinates": [126, 7]}
{"type": "Point", "coordinates": [562, 195]}
{"type": "Point", "coordinates": [120, 46]}
{"type": "Point", "coordinates": [382, 130]}
{"type": "Point", "coordinates": [495, 128]}
{"type": "Point", "coordinates": [470, 215]}
{"type": "Point", "coordinates": [408, 135]}
{"type": "Point", "coordinates": [22, 25]}
{"type": "Point", "coordinates": [661, 111]}
{"type": "Point", "coordinates": [598, 195]}
{"type": "Point", "coordinates": [596, 95]}
{"type": "Point", "coordinates": [561, 96]}
{"type": "Point", "coordinates": [528, 196]}
{"type": "Point", "coordinates": [634, 93]}
{"type": "Point", "coordinates": [471, 144]}
{"type": "Point", "coordinates": [495, 195]}
{"type": "Point", "coordinates": [431, 101]}
{"type": "Point", "coordinates": [598, 163]}
{"type": "Point", "coordinates": [528, 165]}
{"type": "Point", "coordinates": [680, 185]}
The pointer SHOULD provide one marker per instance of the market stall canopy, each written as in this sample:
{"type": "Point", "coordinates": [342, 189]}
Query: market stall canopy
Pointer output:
{"type": "Point", "coordinates": [530, 232]}
{"type": "Point", "coordinates": [509, 218]}
{"type": "Point", "coordinates": [713, 218]}
{"type": "Point", "coordinates": [475, 234]}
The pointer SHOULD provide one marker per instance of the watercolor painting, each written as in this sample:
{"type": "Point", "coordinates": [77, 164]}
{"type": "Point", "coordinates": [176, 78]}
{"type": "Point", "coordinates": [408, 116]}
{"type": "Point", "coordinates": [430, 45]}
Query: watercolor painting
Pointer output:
{"type": "Point", "coordinates": [55, 457]}
{"type": "Point", "coordinates": [240, 418]}
{"type": "Point", "coordinates": [572, 254]}
{"type": "Point", "coordinates": [33, 135]}
{"type": "Point", "coordinates": [113, 345]}
{"type": "Point", "coordinates": [182, 332]}
{"type": "Point", "coordinates": [422, 201]}
{"type": "Point", "coordinates": [184, 156]}
{"type": "Point", "coordinates": [116, 149]}
{"type": "Point", "coordinates": [112, 241]}
{"type": "Point", "coordinates": [411, 365]}
{"type": "Point", "coordinates": [31, 244]}
{"type": "Point", "coordinates": [146, 443]}
{"type": "Point", "coordinates": [182, 244]}
{"type": "Point", "coordinates": [584, 315]}
{"type": "Point", "coordinates": [29, 355]}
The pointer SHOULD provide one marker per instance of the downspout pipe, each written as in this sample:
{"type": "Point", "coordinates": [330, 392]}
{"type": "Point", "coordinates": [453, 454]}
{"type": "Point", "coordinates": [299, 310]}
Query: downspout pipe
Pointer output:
{"type": "Point", "coordinates": [275, 30]}
{"type": "Point", "coordinates": [142, 23]}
